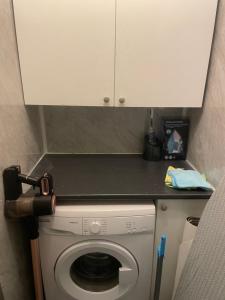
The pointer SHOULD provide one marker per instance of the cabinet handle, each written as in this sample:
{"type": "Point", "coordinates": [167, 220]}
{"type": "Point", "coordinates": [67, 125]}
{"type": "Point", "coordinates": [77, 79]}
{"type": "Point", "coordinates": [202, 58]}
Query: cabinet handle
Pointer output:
{"type": "Point", "coordinates": [163, 207]}
{"type": "Point", "coordinates": [106, 99]}
{"type": "Point", "coordinates": [122, 100]}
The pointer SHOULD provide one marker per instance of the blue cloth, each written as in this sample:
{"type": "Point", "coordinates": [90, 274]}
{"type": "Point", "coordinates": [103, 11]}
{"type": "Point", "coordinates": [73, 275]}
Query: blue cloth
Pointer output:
{"type": "Point", "coordinates": [188, 179]}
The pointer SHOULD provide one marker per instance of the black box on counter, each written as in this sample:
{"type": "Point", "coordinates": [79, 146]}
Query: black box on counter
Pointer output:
{"type": "Point", "coordinates": [175, 139]}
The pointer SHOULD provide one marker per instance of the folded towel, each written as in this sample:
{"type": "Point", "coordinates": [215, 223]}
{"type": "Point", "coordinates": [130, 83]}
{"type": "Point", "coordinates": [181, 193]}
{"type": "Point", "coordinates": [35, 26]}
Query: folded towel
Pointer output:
{"type": "Point", "coordinates": [186, 179]}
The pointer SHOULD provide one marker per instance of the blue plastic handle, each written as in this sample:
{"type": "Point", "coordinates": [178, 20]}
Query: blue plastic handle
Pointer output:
{"type": "Point", "coordinates": [162, 246]}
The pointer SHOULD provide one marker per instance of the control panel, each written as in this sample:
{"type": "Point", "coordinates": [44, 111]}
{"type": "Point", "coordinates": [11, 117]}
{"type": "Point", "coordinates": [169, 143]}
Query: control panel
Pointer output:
{"type": "Point", "coordinates": [98, 225]}
{"type": "Point", "coordinates": [118, 225]}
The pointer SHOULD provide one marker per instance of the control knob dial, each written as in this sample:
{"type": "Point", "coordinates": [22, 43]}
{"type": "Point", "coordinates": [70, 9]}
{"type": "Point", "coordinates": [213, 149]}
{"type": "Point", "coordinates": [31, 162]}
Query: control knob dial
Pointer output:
{"type": "Point", "coordinates": [95, 227]}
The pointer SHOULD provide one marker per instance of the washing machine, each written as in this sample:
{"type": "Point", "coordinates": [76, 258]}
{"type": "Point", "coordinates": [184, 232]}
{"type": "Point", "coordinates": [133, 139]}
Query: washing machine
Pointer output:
{"type": "Point", "coordinates": [98, 252]}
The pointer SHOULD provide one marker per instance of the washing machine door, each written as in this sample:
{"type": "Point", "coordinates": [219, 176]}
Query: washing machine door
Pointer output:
{"type": "Point", "coordinates": [96, 270]}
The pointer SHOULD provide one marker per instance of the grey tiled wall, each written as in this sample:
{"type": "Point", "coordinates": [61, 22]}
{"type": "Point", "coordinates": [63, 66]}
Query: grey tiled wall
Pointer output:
{"type": "Point", "coordinates": [94, 130]}
{"type": "Point", "coordinates": [20, 143]}
{"type": "Point", "coordinates": [207, 144]}
{"type": "Point", "coordinates": [98, 130]}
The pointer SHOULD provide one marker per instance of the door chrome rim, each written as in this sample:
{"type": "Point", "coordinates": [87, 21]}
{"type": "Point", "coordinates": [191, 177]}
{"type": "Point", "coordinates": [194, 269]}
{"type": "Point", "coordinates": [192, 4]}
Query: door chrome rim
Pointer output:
{"type": "Point", "coordinates": [128, 273]}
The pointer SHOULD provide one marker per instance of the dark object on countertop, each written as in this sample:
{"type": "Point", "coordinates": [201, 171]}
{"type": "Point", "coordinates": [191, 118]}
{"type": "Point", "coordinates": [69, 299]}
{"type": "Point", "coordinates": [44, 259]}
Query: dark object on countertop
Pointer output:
{"type": "Point", "coordinates": [152, 147]}
{"type": "Point", "coordinates": [16, 205]}
{"type": "Point", "coordinates": [175, 139]}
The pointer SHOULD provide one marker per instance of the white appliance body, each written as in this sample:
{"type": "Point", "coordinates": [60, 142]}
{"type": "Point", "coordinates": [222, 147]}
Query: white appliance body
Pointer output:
{"type": "Point", "coordinates": [98, 252]}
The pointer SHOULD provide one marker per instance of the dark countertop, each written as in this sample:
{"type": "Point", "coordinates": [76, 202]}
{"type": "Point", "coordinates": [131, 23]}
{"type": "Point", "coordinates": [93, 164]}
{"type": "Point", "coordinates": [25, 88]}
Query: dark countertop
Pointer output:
{"type": "Point", "coordinates": [111, 177]}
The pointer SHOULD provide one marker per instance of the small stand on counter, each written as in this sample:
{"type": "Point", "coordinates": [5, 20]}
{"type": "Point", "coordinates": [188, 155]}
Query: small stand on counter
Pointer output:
{"type": "Point", "coordinates": [28, 208]}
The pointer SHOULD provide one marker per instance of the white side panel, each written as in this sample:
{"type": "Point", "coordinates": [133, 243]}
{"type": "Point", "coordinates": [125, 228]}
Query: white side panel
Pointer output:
{"type": "Point", "coordinates": [162, 51]}
{"type": "Point", "coordinates": [171, 222]}
{"type": "Point", "coordinates": [66, 50]}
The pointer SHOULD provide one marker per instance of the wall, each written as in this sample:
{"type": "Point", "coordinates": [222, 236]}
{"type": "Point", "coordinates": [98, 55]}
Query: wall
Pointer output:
{"type": "Point", "coordinates": [98, 130]}
{"type": "Point", "coordinates": [20, 143]}
{"type": "Point", "coordinates": [94, 129]}
{"type": "Point", "coordinates": [207, 137]}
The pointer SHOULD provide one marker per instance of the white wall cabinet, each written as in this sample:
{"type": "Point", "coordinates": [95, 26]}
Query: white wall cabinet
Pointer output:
{"type": "Point", "coordinates": [136, 53]}
{"type": "Point", "coordinates": [170, 220]}
{"type": "Point", "coordinates": [162, 51]}
{"type": "Point", "coordinates": [66, 50]}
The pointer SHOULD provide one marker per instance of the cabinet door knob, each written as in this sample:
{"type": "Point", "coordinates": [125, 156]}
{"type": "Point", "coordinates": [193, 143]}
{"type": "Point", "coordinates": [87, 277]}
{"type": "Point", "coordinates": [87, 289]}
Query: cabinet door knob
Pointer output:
{"type": "Point", "coordinates": [122, 100]}
{"type": "Point", "coordinates": [164, 207]}
{"type": "Point", "coordinates": [106, 99]}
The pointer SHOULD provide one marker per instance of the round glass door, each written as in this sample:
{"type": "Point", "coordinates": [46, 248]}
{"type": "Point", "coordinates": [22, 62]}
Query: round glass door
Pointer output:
{"type": "Point", "coordinates": [96, 270]}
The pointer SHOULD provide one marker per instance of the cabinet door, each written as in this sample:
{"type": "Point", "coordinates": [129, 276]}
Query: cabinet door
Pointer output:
{"type": "Point", "coordinates": [162, 51]}
{"type": "Point", "coordinates": [66, 51]}
{"type": "Point", "coordinates": [170, 220]}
